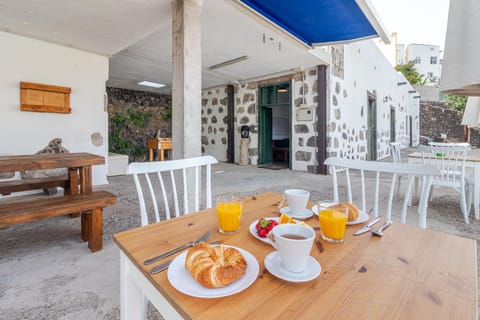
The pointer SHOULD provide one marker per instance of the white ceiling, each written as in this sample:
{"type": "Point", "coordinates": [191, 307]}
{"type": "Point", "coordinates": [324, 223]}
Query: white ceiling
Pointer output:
{"type": "Point", "coordinates": [136, 35]}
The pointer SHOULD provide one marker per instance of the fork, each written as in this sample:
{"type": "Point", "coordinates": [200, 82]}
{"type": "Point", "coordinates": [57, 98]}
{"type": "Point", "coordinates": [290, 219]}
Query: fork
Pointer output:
{"type": "Point", "coordinates": [165, 265]}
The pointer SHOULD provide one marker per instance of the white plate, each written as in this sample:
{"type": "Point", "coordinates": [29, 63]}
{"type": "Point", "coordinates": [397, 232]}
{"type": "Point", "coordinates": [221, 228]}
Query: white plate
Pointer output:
{"type": "Point", "coordinates": [180, 278]}
{"type": "Point", "coordinates": [274, 266]}
{"type": "Point", "coordinates": [307, 213]}
{"type": "Point", "coordinates": [363, 216]}
{"type": "Point", "coordinates": [253, 230]}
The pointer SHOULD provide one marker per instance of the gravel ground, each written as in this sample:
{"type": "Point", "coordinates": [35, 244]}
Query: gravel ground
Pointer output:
{"type": "Point", "coordinates": [46, 272]}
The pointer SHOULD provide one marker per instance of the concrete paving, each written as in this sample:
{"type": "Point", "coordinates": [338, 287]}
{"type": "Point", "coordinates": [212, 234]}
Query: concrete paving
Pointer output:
{"type": "Point", "coordinates": [46, 272]}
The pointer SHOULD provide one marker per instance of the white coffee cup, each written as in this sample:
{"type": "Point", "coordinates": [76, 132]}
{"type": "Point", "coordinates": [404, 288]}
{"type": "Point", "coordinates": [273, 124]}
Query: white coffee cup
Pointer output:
{"type": "Point", "coordinates": [297, 200]}
{"type": "Point", "coordinates": [294, 244]}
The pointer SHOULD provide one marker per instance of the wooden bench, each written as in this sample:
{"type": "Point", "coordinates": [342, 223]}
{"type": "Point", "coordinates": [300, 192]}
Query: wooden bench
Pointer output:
{"type": "Point", "coordinates": [8, 187]}
{"type": "Point", "coordinates": [90, 205]}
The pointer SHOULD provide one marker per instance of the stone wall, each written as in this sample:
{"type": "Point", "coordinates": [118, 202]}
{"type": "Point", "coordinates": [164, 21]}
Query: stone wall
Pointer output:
{"type": "Point", "coordinates": [135, 115]}
{"type": "Point", "coordinates": [246, 114]}
{"type": "Point", "coordinates": [439, 117]}
{"type": "Point", "coordinates": [305, 132]}
{"type": "Point", "coordinates": [214, 122]}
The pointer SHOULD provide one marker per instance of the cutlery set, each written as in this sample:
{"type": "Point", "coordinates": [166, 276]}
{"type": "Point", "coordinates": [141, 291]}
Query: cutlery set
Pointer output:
{"type": "Point", "coordinates": [165, 265]}
{"type": "Point", "coordinates": [368, 227]}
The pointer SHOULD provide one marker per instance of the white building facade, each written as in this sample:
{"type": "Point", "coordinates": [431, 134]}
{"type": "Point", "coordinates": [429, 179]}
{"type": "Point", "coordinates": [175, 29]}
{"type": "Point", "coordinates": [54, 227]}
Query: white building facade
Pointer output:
{"type": "Point", "coordinates": [368, 105]}
{"type": "Point", "coordinates": [427, 60]}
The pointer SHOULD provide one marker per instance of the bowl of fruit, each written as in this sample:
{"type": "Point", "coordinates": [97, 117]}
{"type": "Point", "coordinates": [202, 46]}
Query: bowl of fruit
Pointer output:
{"type": "Point", "coordinates": [261, 228]}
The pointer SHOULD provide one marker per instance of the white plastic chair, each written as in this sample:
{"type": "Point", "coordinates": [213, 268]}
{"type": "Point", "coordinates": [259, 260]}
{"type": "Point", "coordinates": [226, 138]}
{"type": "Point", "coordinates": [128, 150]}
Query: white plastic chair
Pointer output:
{"type": "Point", "coordinates": [389, 169]}
{"type": "Point", "coordinates": [397, 158]}
{"type": "Point", "coordinates": [175, 169]}
{"type": "Point", "coordinates": [450, 160]}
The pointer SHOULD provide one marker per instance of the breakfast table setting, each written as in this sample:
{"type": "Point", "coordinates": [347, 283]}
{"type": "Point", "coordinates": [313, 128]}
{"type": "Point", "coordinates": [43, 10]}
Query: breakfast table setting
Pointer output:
{"type": "Point", "coordinates": [287, 256]}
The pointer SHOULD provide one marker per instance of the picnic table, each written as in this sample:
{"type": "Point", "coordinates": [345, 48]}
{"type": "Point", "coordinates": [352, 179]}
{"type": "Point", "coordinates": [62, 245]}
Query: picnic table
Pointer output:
{"type": "Point", "coordinates": [78, 194]}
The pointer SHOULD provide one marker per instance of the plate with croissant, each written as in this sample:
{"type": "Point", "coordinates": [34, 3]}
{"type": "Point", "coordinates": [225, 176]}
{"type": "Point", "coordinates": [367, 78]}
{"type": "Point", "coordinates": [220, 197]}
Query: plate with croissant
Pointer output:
{"type": "Point", "coordinates": [355, 215]}
{"type": "Point", "coordinates": [209, 271]}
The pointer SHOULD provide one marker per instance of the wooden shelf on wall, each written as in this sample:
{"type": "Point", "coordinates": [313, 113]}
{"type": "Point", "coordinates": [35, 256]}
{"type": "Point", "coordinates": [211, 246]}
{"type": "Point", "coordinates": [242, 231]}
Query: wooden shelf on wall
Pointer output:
{"type": "Point", "coordinates": [40, 97]}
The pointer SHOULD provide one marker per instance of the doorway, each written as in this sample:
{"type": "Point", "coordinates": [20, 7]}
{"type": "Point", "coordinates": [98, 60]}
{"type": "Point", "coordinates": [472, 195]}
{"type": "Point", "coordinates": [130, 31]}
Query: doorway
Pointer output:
{"type": "Point", "coordinates": [371, 127]}
{"type": "Point", "coordinates": [393, 137]}
{"type": "Point", "coordinates": [274, 143]}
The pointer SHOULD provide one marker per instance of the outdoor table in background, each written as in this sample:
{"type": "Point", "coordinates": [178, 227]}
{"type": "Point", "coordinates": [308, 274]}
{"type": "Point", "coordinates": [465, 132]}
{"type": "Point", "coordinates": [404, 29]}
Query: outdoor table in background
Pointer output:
{"type": "Point", "coordinates": [472, 161]}
{"type": "Point", "coordinates": [160, 145]}
{"type": "Point", "coordinates": [79, 165]}
{"type": "Point", "coordinates": [409, 273]}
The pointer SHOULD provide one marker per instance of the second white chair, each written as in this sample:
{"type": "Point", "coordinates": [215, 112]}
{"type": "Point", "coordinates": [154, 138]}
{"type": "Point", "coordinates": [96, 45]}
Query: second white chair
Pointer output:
{"type": "Point", "coordinates": [382, 169]}
{"type": "Point", "coordinates": [450, 160]}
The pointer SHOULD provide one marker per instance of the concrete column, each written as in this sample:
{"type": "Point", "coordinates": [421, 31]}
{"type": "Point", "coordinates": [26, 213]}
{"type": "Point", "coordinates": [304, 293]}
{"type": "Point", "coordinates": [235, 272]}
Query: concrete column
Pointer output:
{"type": "Point", "coordinates": [186, 78]}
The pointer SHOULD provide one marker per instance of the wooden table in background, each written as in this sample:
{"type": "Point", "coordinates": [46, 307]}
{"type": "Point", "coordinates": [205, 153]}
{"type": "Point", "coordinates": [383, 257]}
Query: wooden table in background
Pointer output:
{"type": "Point", "coordinates": [409, 273]}
{"type": "Point", "coordinates": [160, 145]}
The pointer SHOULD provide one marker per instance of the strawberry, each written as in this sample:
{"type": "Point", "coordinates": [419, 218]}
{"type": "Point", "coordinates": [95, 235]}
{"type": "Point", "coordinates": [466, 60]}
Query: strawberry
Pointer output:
{"type": "Point", "coordinates": [264, 226]}
{"type": "Point", "coordinates": [262, 233]}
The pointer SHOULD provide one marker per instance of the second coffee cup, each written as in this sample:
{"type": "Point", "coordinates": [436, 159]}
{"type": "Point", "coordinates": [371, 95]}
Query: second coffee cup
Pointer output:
{"type": "Point", "coordinates": [297, 200]}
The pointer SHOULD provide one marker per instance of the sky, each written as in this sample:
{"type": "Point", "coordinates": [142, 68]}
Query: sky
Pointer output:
{"type": "Point", "coordinates": [415, 21]}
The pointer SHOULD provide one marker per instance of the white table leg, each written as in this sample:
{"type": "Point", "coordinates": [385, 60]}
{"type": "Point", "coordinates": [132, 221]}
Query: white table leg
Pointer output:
{"type": "Point", "coordinates": [423, 202]}
{"type": "Point", "coordinates": [476, 190]}
{"type": "Point", "coordinates": [134, 288]}
{"type": "Point", "coordinates": [132, 301]}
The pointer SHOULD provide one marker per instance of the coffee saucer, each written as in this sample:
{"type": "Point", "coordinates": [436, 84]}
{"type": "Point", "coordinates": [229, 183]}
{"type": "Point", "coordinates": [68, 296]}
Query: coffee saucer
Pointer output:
{"type": "Point", "coordinates": [302, 215]}
{"type": "Point", "coordinates": [274, 266]}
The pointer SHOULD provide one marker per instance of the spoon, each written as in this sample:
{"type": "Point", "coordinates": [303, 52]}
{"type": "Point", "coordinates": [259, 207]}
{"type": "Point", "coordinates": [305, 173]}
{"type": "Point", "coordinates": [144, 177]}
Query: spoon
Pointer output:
{"type": "Point", "coordinates": [379, 231]}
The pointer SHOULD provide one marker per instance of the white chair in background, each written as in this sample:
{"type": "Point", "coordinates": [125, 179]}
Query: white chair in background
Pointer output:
{"type": "Point", "coordinates": [379, 169]}
{"type": "Point", "coordinates": [450, 160]}
{"type": "Point", "coordinates": [397, 158]}
{"type": "Point", "coordinates": [176, 171]}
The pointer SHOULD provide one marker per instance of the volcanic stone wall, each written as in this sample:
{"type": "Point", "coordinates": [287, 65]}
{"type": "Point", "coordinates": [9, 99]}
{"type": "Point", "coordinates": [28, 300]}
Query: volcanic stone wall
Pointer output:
{"type": "Point", "coordinates": [133, 131]}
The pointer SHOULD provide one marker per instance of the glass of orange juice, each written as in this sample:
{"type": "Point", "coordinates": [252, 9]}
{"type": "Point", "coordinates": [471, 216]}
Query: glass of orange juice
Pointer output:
{"type": "Point", "coordinates": [229, 213]}
{"type": "Point", "coordinates": [333, 221]}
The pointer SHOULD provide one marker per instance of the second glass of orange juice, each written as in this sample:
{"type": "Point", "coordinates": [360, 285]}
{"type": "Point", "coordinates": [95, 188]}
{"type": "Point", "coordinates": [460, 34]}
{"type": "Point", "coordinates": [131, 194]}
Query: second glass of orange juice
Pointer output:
{"type": "Point", "coordinates": [333, 222]}
{"type": "Point", "coordinates": [229, 212]}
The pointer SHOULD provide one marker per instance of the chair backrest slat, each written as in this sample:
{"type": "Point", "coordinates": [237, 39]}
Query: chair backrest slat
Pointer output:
{"type": "Point", "coordinates": [182, 171]}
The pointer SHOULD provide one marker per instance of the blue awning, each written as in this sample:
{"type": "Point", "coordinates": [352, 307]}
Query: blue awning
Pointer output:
{"type": "Point", "coordinates": [321, 21]}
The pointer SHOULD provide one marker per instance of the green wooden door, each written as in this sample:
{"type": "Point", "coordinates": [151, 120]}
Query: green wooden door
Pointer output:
{"type": "Point", "coordinates": [371, 129]}
{"type": "Point", "coordinates": [269, 97]}
{"type": "Point", "coordinates": [265, 136]}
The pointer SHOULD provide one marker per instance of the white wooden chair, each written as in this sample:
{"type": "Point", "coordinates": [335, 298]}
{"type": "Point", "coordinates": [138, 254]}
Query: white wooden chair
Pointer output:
{"type": "Point", "coordinates": [397, 158]}
{"type": "Point", "coordinates": [389, 169]}
{"type": "Point", "coordinates": [450, 160]}
{"type": "Point", "coordinates": [176, 170]}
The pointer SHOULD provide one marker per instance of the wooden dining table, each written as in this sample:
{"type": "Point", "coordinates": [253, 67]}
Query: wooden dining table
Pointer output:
{"type": "Point", "coordinates": [409, 273]}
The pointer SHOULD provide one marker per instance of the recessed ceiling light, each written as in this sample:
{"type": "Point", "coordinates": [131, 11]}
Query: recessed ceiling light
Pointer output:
{"type": "Point", "coordinates": [151, 84]}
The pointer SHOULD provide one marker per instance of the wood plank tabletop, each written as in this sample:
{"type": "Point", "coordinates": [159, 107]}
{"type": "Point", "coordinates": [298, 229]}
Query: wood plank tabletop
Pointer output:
{"type": "Point", "coordinates": [13, 163]}
{"type": "Point", "coordinates": [409, 273]}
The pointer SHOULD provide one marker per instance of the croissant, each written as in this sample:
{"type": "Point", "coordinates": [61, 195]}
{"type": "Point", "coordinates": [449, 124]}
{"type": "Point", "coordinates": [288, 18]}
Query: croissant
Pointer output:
{"type": "Point", "coordinates": [353, 211]}
{"type": "Point", "coordinates": [215, 267]}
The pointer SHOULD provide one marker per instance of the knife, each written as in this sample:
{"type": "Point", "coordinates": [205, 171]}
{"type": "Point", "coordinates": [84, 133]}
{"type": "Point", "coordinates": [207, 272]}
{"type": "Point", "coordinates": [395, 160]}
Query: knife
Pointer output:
{"type": "Point", "coordinates": [366, 227]}
{"type": "Point", "coordinates": [165, 265]}
{"type": "Point", "coordinates": [203, 238]}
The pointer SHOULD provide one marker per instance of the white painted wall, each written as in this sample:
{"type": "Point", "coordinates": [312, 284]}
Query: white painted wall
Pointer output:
{"type": "Point", "coordinates": [21, 132]}
{"type": "Point", "coordinates": [367, 70]}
